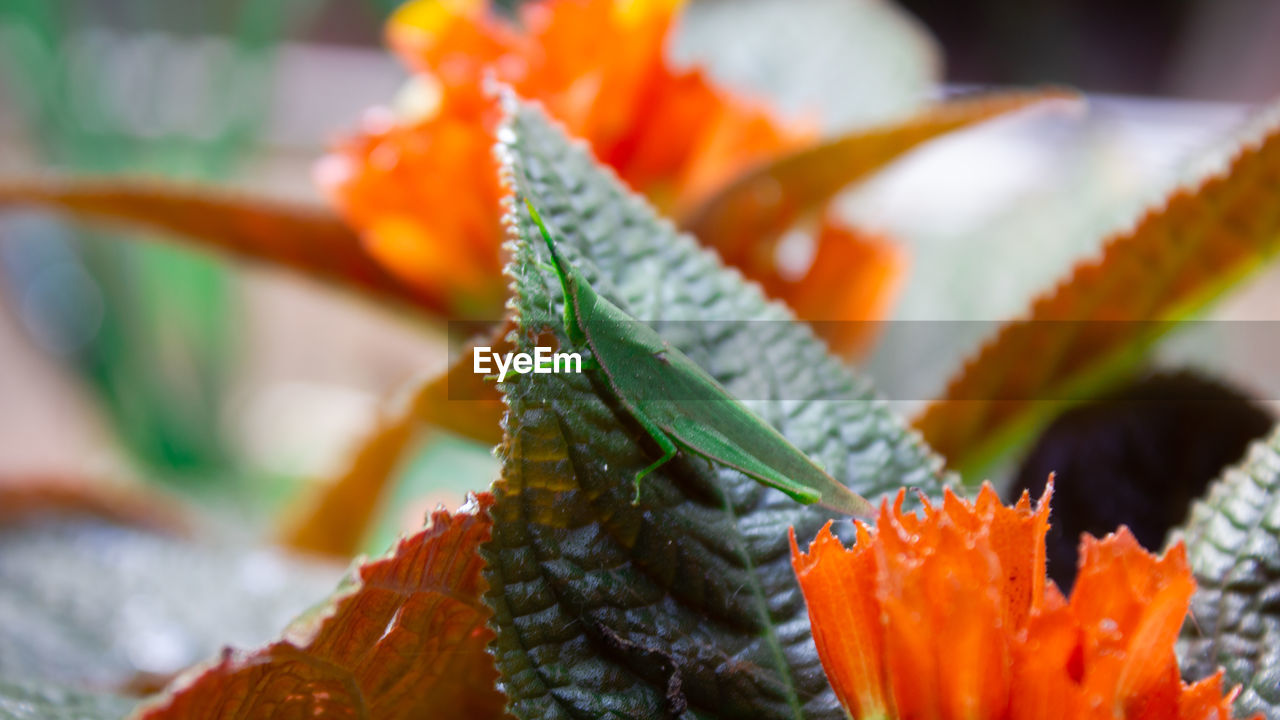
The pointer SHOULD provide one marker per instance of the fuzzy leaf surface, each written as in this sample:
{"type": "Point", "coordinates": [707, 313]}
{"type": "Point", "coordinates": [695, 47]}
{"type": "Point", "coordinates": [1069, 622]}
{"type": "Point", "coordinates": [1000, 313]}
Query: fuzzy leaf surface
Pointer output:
{"type": "Point", "coordinates": [685, 603]}
{"type": "Point", "coordinates": [1233, 543]}
{"type": "Point", "coordinates": [1103, 316]}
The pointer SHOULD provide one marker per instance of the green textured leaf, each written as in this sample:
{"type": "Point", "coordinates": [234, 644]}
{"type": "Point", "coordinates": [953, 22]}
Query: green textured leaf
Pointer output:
{"type": "Point", "coordinates": [1233, 542]}
{"type": "Point", "coordinates": [39, 701]}
{"type": "Point", "coordinates": [685, 603]}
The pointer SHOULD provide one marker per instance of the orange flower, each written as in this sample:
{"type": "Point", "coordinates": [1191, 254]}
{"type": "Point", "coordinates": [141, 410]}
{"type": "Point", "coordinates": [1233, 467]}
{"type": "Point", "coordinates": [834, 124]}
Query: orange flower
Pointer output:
{"type": "Point", "coordinates": [599, 67]}
{"type": "Point", "coordinates": [949, 615]}
{"type": "Point", "coordinates": [423, 189]}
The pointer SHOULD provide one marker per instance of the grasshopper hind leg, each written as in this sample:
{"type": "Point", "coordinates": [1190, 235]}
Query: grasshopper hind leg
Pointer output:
{"type": "Point", "coordinates": [665, 443]}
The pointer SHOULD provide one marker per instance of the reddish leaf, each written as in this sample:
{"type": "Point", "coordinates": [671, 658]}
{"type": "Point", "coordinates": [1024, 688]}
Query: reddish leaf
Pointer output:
{"type": "Point", "coordinates": [765, 202]}
{"type": "Point", "coordinates": [27, 497]}
{"type": "Point", "coordinates": [1176, 260]}
{"type": "Point", "coordinates": [306, 238]}
{"type": "Point", "coordinates": [851, 279]}
{"type": "Point", "coordinates": [405, 639]}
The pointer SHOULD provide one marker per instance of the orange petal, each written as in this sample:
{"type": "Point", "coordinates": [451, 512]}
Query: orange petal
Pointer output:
{"type": "Point", "coordinates": [454, 40]}
{"type": "Point", "coordinates": [1049, 665]}
{"type": "Point", "coordinates": [848, 288]}
{"type": "Point", "coordinates": [1131, 606]}
{"type": "Point", "coordinates": [839, 587]}
{"type": "Point", "coordinates": [967, 627]}
{"type": "Point", "coordinates": [1206, 701]}
{"type": "Point", "coordinates": [426, 198]}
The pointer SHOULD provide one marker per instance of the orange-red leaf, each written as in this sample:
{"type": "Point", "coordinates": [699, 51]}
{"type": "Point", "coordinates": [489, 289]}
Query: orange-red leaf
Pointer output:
{"type": "Point", "coordinates": [305, 238]}
{"type": "Point", "coordinates": [406, 640]}
{"type": "Point", "coordinates": [766, 201]}
{"type": "Point", "coordinates": [853, 275]}
{"type": "Point", "coordinates": [1174, 261]}
{"type": "Point", "coordinates": [26, 497]}
{"type": "Point", "coordinates": [337, 518]}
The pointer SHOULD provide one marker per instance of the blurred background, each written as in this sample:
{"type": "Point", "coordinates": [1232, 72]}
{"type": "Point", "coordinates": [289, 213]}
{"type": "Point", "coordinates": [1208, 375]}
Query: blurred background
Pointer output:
{"type": "Point", "coordinates": [239, 385]}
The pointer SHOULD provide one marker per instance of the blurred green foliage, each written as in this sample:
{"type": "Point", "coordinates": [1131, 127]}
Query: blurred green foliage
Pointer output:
{"type": "Point", "coordinates": [111, 87]}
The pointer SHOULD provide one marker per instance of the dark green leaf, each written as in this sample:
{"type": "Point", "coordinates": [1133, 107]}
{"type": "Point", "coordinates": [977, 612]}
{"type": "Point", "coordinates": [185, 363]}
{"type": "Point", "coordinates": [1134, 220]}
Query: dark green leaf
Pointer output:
{"type": "Point", "coordinates": [1233, 542]}
{"type": "Point", "coordinates": [685, 603]}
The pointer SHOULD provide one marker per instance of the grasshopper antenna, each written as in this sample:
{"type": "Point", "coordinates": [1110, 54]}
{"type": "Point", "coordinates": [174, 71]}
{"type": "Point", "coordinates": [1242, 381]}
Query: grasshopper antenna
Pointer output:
{"type": "Point", "coordinates": [568, 280]}
{"type": "Point", "coordinates": [551, 244]}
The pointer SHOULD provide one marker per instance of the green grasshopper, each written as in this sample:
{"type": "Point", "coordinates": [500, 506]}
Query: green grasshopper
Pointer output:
{"type": "Point", "coordinates": [648, 377]}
